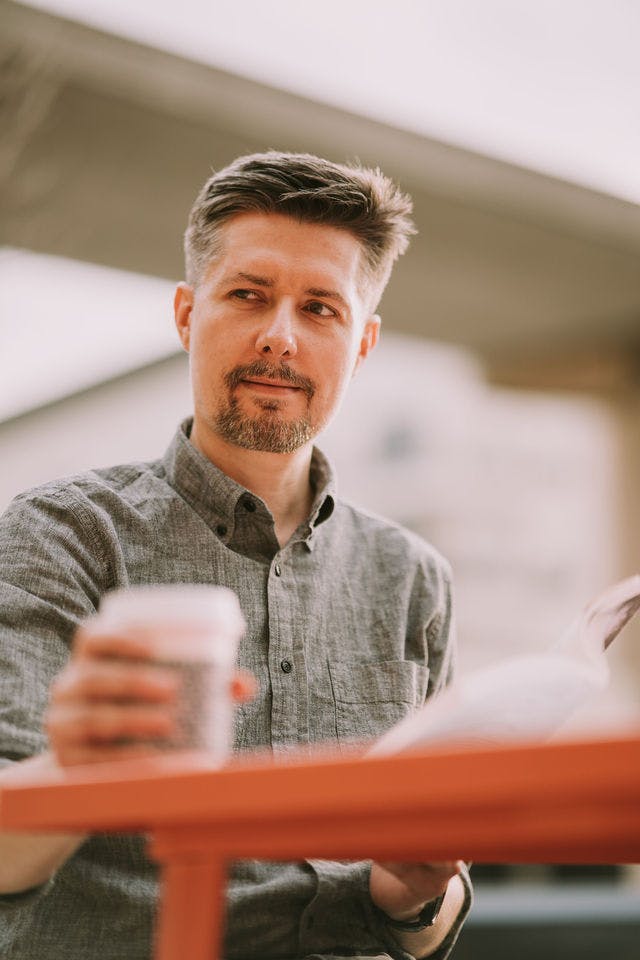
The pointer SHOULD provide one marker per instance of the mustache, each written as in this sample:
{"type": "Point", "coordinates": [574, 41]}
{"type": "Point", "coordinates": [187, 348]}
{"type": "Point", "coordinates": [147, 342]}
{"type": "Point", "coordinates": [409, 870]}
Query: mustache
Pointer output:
{"type": "Point", "coordinates": [260, 368]}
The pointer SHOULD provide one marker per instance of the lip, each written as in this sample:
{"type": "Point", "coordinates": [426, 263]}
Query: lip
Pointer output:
{"type": "Point", "coordinates": [271, 386]}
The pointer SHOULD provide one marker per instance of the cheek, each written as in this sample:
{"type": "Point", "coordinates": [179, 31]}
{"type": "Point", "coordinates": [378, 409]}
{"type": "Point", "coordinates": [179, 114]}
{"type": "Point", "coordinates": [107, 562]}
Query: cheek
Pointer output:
{"type": "Point", "coordinates": [333, 384]}
{"type": "Point", "coordinates": [207, 376]}
{"type": "Point", "coordinates": [207, 351]}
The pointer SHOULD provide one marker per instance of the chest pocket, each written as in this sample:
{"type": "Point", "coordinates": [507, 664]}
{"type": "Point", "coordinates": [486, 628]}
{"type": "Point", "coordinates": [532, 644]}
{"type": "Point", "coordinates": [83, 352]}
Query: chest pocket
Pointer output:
{"type": "Point", "coordinates": [371, 696]}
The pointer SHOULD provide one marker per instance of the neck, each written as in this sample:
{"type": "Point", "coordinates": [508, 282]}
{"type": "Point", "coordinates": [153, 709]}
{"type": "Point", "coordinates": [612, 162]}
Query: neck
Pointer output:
{"type": "Point", "coordinates": [281, 480]}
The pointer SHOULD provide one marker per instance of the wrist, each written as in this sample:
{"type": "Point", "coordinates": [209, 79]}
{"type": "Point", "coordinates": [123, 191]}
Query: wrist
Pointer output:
{"type": "Point", "coordinates": [427, 941]}
{"type": "Point", "coordinates": [415, 920]}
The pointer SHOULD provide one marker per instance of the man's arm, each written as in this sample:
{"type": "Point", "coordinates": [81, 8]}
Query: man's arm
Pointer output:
{"type": "Point", "coordinates": [107, 704]}
{"type": "Point", "coordinates": [52, 574]}
{"type": "Point", "coordinates": [49, 578]}
{"type": "Point", "coordinates": [402, 890]}
{"type": "Point", "coordinates": [28, 860]}
{"type": "Point", "coordinates": [91, 706]}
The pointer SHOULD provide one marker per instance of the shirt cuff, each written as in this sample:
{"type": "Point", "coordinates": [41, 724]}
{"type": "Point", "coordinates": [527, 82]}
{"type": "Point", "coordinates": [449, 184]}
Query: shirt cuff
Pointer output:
{"type": "Point", "coordinates": [336, 919]}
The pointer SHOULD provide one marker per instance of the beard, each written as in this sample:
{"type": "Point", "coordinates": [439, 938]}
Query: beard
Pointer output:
{"type": "Point", "coordinates": [269, 431]}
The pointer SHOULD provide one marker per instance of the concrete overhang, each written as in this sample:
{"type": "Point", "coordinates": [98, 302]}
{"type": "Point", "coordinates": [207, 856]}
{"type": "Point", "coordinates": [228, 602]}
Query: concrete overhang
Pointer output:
{"type": "Point", "coordinates": [106, 143]}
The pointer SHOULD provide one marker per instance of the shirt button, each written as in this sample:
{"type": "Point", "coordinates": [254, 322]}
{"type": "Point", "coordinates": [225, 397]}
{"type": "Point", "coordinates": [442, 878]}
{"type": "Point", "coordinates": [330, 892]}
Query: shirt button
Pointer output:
{"type": "Point", "coordinates": [277, 570]}
{"type": "Point", "coordinates": [249, 505]}
{"type": "Point", "coordinates": [286, 665]}
{"type": "Point", "coordinates": [221, 530]}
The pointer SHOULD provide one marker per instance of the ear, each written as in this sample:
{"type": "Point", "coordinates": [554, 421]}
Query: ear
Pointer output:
{"type": "Point", "coordinates": [368, 340]}
{"type": "Point", "coordinates": [182, 307]}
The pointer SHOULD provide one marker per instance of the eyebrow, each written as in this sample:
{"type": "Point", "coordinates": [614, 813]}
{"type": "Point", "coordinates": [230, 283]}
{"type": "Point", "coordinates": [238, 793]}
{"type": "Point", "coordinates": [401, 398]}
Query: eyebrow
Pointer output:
{"type": "Point", "coordinates": [269, 282]}
{"type": "Point", "coordinates": [251, 278]}
{"type": "Point", "coordinates": [327, 295]}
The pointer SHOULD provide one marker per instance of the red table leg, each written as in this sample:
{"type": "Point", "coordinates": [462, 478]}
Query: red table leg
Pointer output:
{"type": "Point", "coordinates": [190, 920]}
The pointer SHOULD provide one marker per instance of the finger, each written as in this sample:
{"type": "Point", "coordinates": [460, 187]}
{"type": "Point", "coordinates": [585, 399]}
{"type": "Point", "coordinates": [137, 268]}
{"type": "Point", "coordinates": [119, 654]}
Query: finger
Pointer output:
{"type": "Point", "coordinates": [92, 642]}
{"type": "Point", "coordinates": [97, 680]}
{"type": "Point", "coordinates": [438, 872]}
{"type": "Point", "coordinates": [441, 867]}
{"type": "Point", "coordinates": [76, 724]}
{"type": "Point", "coordinates": [429, 879]}
{"type": "Point", "coordinates": [244, 686]}
{"type": "Point", "coordinates": [444, 868]}
{"type": "Point", "coordinates": [402, 889]}
{"type": "Point", "coordinates": [73, 755]}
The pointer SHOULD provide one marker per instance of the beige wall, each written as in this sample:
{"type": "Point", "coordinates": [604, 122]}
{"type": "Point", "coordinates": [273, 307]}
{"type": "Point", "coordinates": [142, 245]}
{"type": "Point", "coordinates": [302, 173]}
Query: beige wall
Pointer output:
{"type": "Point", "coordinates": [132, 418]}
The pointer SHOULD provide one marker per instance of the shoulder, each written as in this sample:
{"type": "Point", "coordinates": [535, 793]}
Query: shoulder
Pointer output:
{"type": "Point", "coordinates": [389, 540]}
{"type": "Point", "coordinates": [83, 495]}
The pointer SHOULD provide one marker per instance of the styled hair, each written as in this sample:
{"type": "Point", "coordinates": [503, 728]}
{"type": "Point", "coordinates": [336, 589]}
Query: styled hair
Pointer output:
{"type": "Point", "coordinates": [358, 199]}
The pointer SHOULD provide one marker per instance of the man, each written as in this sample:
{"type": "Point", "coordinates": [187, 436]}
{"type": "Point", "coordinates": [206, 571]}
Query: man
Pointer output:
{"type": "Point", "coordinates": [348, 616]}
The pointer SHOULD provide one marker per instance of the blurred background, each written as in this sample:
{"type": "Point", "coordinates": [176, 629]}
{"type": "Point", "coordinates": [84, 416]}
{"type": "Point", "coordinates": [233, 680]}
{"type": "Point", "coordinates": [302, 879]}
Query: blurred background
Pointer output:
{"type": "Point", "coordinates": [499, 415]}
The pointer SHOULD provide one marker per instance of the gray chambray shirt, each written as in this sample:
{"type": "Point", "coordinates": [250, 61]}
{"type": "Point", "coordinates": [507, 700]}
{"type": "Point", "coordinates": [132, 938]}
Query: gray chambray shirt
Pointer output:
{"type": "Point", "coordinates": [348, 630]}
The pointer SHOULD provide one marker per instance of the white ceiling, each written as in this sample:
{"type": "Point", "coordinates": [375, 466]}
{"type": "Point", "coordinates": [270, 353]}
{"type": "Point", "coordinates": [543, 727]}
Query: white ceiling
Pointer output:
{"type": "Point", "coordinates": [553, 86]}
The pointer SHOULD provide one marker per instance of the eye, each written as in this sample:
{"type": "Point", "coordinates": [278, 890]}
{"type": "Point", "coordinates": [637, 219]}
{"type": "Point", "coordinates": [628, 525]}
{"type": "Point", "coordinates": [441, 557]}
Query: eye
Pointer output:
{"type": "Point", "coordinates": [319, 309]}
{"type": "Point", "coordinates": [245, 295]}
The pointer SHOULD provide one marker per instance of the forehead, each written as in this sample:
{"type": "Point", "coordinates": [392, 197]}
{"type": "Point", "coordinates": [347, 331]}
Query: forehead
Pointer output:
{"type": "Point", "coordinates": [253, 242]}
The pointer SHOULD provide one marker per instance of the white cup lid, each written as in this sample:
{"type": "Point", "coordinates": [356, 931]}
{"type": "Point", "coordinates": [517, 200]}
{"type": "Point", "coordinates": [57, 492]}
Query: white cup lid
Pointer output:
{"type": "Point", "coordinates": [193, 604]}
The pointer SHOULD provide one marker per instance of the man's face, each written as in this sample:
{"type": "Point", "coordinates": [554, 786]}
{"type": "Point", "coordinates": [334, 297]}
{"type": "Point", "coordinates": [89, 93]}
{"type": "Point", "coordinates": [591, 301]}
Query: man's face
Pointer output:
{"type": "Point", "coordinates": [276, 329]}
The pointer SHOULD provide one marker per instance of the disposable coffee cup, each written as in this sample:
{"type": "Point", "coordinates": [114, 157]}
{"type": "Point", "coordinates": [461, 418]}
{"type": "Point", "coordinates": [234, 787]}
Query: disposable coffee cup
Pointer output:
{"type": "Point", "coordinates": [194, 630]}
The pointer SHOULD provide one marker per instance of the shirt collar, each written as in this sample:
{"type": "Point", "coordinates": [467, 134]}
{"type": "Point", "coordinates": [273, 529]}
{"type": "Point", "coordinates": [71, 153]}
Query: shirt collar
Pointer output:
{"type": "Point", "coordinates": [323, 483]}
{"type": "Point", "coordinates": [215, 496]}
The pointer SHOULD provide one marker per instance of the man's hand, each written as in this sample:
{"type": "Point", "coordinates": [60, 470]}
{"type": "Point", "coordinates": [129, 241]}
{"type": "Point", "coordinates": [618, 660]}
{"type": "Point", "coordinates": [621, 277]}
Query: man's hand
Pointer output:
{"type": "Point", "coordinates": [401, 890]}
{"type": "Point", "coordinates": [113, 701]}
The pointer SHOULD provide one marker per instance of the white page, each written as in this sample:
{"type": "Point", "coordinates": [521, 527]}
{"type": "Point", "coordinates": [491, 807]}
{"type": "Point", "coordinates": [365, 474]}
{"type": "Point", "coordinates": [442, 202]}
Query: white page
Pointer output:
{"type": "Point", "coordinates": [526, 697]}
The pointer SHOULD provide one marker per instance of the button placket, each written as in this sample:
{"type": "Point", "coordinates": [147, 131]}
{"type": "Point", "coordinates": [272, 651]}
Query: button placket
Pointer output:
{"type": "Point", "coordinates": [287, 667]}
{"type": "Point", "coordinates": [285, 664]}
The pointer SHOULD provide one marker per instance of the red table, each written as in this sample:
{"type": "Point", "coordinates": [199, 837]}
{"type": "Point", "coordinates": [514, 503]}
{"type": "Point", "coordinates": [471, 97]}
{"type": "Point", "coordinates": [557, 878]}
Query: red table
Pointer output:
{"type": "Point", "coordinates": [569, 802]}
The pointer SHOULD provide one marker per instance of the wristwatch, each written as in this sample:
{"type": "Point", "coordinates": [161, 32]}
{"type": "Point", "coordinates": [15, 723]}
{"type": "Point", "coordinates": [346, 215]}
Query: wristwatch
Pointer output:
{"type": "Point", "coordinates": [426, 918]}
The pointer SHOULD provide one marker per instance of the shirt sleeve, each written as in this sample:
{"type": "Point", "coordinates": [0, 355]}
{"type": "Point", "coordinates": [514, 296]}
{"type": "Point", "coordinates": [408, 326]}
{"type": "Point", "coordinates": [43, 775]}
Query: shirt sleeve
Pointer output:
{"type": "Point", "coordinates": [51, 575]}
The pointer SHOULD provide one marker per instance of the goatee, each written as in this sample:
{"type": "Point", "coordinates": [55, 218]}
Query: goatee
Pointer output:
{"type": "Point", "coordinates": [268, 432]}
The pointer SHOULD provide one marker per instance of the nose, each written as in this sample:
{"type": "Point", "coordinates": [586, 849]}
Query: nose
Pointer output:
{"type": "Point", "coordinates": [276, 336]}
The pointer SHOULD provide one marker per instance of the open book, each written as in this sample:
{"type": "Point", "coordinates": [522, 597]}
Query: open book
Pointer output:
{"type": "Point", "coordinates": [527, 697]}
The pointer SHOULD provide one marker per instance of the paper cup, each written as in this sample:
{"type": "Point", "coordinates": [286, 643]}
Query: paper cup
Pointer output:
{"type": "Point", "coordinates": [195, 630]}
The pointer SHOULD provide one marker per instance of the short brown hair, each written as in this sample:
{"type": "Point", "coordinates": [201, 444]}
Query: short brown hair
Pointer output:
{"type": "Point", "coordinates": [358, 199]}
